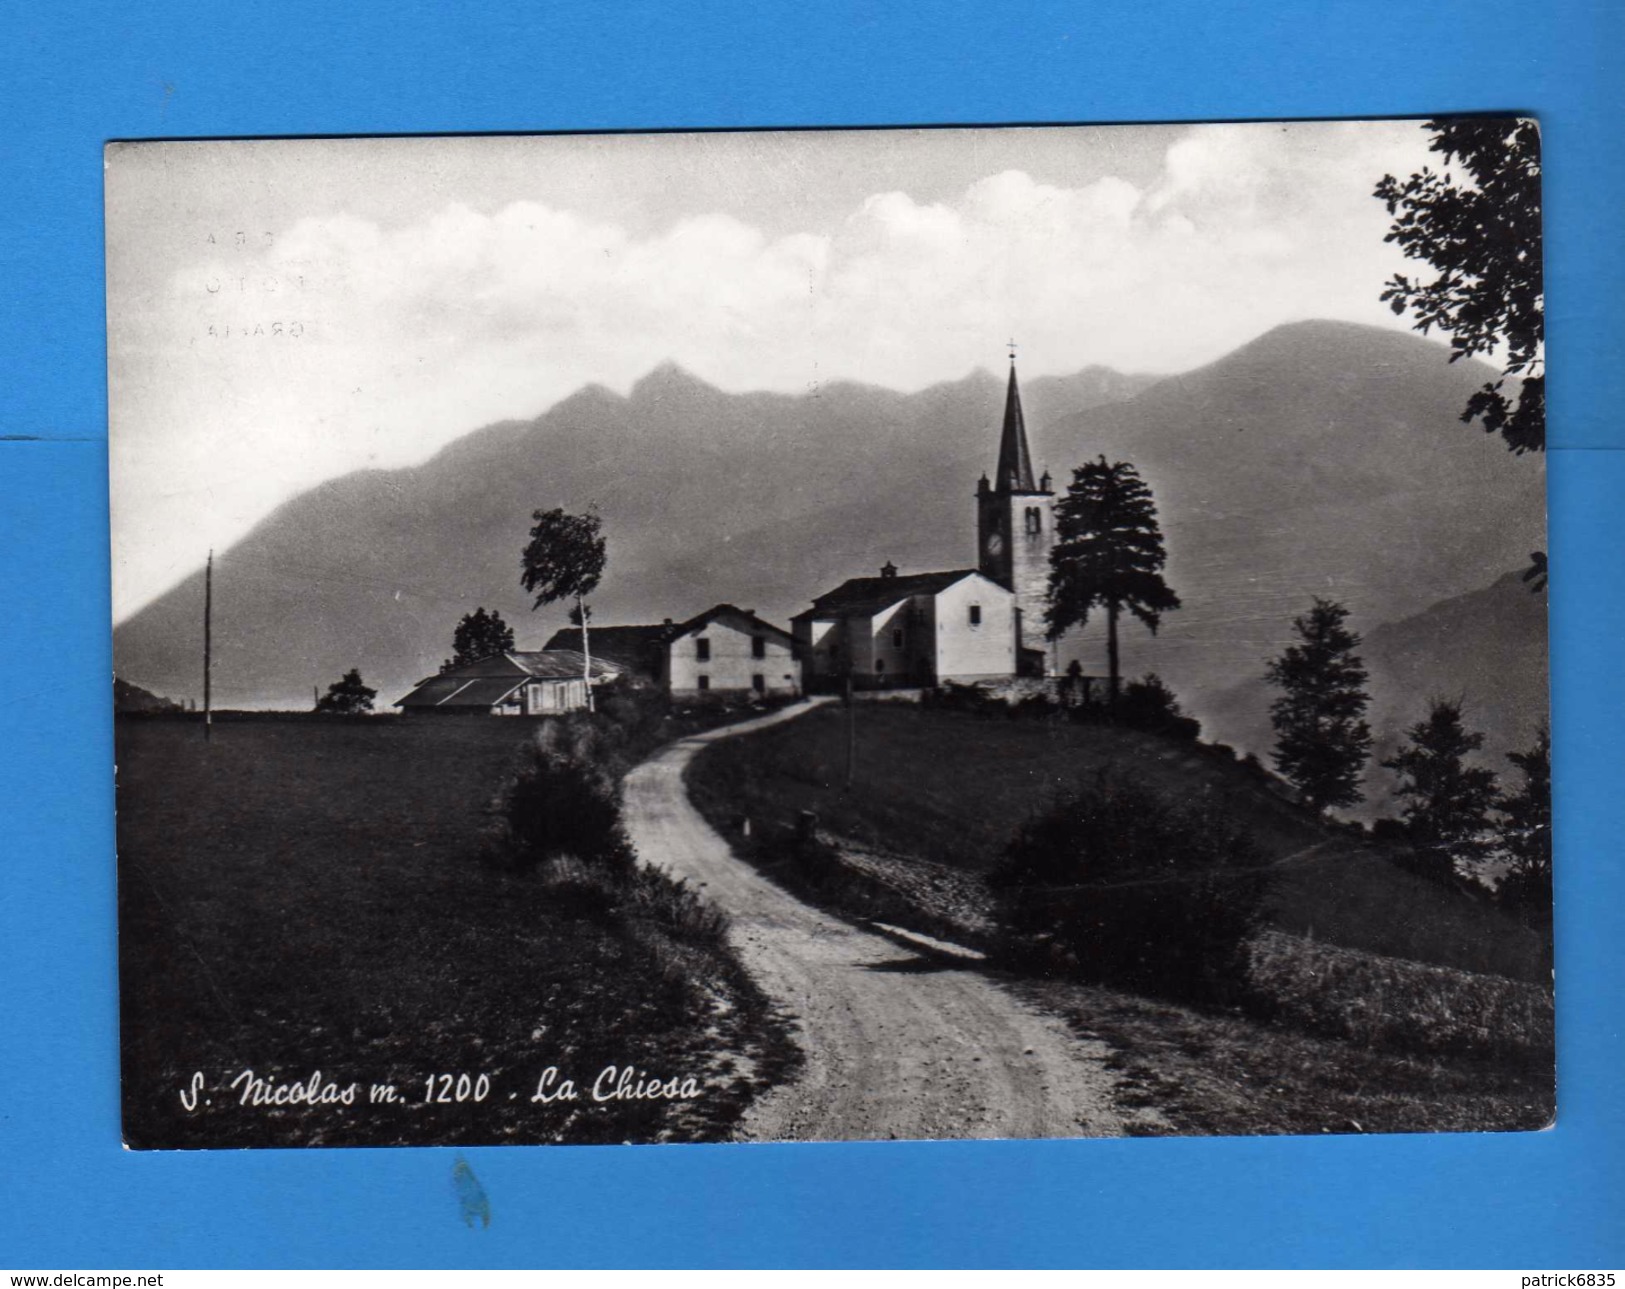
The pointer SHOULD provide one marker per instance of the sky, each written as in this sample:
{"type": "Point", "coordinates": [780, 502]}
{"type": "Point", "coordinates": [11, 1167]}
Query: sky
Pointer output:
{"type": "Point", "coordinates": [281, 312]}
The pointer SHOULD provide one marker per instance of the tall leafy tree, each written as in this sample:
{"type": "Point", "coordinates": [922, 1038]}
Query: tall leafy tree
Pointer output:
{"type": "Point", "coordinates": [1447, 801]}
{"type": "Point", "coordinates": [1322, 741]}
{"type": "Point", "coordinates": [479, 635]}
{"type": "Point", "coordinates": [1108, 555]}
{"type": "Point", "coordinates": [1477, 224]}
{"type": "Point", "coordinates": [1526, 834]}
{"type": "Point", "coordinates": [564, 560]}
{"type": "Point", "coordinates": [347, 696]}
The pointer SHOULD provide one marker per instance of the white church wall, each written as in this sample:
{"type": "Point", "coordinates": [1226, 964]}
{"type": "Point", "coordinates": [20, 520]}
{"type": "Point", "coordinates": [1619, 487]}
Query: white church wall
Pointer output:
{"type": "Point", "coordinates": [969, 649]}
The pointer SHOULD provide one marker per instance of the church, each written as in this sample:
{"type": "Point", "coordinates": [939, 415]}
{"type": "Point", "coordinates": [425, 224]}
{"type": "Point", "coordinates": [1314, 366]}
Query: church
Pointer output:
{"type": "Point", "coordinates": [965, 625]}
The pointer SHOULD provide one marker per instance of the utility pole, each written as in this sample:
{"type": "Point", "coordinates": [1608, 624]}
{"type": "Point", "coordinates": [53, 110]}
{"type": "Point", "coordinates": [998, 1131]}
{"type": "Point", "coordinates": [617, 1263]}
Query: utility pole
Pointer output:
{"type": "Point", "coordinates": [851, 731]}
{"type": "Point", "coordinates": [208, 645]}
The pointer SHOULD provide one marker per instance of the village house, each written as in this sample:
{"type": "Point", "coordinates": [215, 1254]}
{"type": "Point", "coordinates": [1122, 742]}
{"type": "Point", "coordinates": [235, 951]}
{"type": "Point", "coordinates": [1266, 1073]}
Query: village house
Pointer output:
{"type": "Point", "coordinates": [516, 683]}
{"type": "Point", "coordinates": [725, 650]}
{"type": "Point", "coordinates": [910, 630]}
{"type": "Point", "coordinates": [965, 625]}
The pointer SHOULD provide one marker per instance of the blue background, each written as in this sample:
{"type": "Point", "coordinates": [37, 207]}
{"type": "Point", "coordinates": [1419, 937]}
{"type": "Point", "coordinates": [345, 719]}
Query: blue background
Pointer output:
{"type": "Point", "coordinates": [71, 1197]}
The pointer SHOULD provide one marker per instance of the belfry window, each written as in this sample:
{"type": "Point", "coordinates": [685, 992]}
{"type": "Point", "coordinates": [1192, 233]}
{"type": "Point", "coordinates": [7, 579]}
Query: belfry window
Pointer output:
{"type": "Point", "coordinates": [1035, 521]}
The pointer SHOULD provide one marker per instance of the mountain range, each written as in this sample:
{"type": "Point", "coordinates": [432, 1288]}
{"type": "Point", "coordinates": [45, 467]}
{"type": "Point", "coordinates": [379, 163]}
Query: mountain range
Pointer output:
{"type": "Point", "coordinates": [1319, 459]}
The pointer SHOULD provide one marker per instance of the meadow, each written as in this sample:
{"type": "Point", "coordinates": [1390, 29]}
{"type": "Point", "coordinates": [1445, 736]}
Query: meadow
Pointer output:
{"type": "Point", "coordinates": [303, 896]}
{"type": "Point", "coordinates": [1375, 1000]}
{"type": "Point", "coordinates": [951, 788]}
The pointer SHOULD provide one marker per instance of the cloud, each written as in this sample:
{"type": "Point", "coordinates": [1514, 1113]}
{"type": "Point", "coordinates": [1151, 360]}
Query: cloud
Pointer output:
{"type": "Point", "coordinates": [272, 361]}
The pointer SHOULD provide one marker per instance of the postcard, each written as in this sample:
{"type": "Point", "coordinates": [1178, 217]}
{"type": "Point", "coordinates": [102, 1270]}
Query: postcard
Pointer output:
{"type": "Point", "coordinates": [831, 635]}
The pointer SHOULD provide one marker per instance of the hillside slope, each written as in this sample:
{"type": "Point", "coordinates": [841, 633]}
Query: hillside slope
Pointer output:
{"type": "Point", "coordinates": [757, 499]}
{"type": "Point", "coordinates": [1320, 458]}
{"type": "Point", "coordinates": [1487, 647]}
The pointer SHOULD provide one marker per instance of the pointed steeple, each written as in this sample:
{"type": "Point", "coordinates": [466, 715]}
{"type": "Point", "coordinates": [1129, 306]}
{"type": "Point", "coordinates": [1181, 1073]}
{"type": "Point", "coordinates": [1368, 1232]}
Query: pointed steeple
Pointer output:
{"type": "Point", "coordinates": [1015, 473]}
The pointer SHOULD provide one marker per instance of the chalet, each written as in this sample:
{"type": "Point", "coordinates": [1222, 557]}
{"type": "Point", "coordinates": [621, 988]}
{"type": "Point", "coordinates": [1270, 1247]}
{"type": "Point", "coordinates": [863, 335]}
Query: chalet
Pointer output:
{"type": "Point", "coordinates": [723, 650]}
{"type": "Point", "coordinates": [516, 683]}
{"type": "Point", "coordinates": [918, 629]}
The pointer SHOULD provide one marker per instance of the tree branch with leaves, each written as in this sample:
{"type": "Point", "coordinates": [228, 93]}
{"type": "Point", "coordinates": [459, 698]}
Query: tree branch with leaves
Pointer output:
{"type": "Point", "coordinates": [1479, 226]}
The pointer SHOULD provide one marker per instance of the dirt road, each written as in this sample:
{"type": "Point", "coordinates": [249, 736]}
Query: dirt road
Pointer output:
{"type": "Point", "coordinates": [897, 1045]}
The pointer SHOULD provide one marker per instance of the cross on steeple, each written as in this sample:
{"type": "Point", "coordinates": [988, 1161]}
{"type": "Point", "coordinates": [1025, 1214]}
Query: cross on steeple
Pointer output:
{"type": "Point", "coordinates": [1011, 344]}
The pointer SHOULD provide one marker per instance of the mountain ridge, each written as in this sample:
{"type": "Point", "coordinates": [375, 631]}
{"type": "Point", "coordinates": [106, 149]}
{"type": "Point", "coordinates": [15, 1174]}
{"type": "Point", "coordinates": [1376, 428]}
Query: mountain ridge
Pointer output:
{"type": "Point", "coordinates": [766, 499]}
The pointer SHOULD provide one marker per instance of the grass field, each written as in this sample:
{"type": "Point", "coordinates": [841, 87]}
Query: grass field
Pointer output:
{"type": "Point", "coordinates": [1431, 1012]}
{"type": "Point", "coordinates": [952, 787]}
{"type": "Point", "coordinates": [303, 896]}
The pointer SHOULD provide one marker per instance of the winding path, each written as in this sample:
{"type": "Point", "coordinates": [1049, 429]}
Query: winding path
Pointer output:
{"type": "Point", "coordinates": [897, 1045]}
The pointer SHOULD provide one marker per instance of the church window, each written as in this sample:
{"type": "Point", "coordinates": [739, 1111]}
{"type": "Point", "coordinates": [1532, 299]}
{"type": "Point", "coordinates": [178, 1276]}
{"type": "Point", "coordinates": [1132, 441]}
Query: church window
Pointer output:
{"type": "Point", "coordinates": [897, 638]}
{"type": "Point", "coordinates": [702, 649]}
{"type": "Point", "coordinates": [976, 615]}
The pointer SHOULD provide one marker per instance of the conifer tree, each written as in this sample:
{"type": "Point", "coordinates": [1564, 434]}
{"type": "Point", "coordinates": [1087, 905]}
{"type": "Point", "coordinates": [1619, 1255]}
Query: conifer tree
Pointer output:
{"type": "Point", "coordinates": [1108, 555]}
{"type": "Point", "coordinates": [1322, 740]}
{"type": "Point", "coordinates": [1526, 834]}
{"type": "Point", "coordinates": [1447, 801]}
{"type": "Point", "coordinates": [479, 635]}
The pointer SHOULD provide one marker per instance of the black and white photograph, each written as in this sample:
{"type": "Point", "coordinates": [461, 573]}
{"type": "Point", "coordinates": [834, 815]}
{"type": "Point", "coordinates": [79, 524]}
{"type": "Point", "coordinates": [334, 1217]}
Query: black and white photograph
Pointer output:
{"type": "Point", "coordinates": [831, 635]}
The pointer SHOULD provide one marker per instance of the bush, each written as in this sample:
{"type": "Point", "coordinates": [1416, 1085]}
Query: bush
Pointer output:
{"type": "Point", "coordinates": [564, 804]}
{"type": "Point", "coordinates": [1148, 704]}
{"type": "Point", "coordinates": [1118, 885]}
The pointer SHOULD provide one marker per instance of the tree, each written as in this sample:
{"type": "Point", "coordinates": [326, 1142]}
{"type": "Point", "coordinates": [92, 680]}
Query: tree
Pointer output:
{"type": "Point", "coordinates": [1322, 741]}
{"type": "Point", "coordinates": [1526, 834]}
{"type": "Point", "coordinates": [479, 635]}
{"type": "Point", "coordinates": [1447, 801]}
{"type": "Point", "coordinates": [347, 696]}
{"type": "Point", "coordinates": [563, 561]}
{"type": "Point", "coordinates": [1482, 234]}
{"type": "Point", "coordinates": [1108, 555]}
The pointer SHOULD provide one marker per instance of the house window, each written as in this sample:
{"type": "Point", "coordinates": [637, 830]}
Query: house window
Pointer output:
{"type": "Point", "coordinates": [759, 684]}
{"type": "Point", "coordinates": [976, 615]}
{"type": "Point", "coordinates": [897, 638]}
{"type": "Point", "coordinates": [702, 649]}
{"type": "Point", "coordinates": [758, 647]}
{"type": "Point", "coordinates": [705, 681]}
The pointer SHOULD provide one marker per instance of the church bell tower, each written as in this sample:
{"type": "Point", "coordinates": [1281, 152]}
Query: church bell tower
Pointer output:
{"type": "Point", "coordinates": [1014, 532]}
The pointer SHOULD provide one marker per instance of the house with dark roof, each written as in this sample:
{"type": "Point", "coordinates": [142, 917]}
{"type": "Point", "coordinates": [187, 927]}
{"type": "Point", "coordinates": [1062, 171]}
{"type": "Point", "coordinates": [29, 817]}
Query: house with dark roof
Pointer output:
{"type": "Point", "coordinates": [516, 683]}
{"type": "Point", "coordinates": [908, 630]}
{"type": "Point", "coordinates": [723, 650]}
{"type": "Point", "coordinates": [637, 651]}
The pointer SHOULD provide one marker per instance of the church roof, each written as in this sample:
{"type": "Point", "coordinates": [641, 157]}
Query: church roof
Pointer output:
{"type": "Point", "coordinates": [1015, 473]}
{"type": "Point", "coordinates": [871, 594]}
